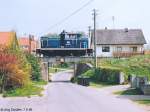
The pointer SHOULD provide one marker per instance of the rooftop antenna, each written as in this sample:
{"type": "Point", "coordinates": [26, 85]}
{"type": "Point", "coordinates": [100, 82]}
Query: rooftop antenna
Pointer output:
{"type": "Point", "coordinates": [113, 20]}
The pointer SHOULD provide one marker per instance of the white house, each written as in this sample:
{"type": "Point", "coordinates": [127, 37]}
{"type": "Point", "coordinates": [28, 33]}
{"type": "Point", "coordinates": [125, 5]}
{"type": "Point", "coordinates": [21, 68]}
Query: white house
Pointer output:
{"type": "Point", "coordinates": [119, 42]}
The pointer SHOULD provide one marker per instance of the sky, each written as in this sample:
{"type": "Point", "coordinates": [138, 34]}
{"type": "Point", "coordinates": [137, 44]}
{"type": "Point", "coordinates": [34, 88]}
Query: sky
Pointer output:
{"type": "Point", "coordinates": [38, 16]}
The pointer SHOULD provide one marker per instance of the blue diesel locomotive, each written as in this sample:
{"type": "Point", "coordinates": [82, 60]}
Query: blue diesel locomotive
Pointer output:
{"type": "Point", "coordinates": [65, 40]}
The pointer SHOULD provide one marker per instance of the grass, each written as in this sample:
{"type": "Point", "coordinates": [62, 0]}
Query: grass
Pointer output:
{"type": "Point", "coordinates": [24, 91]}
{"type": "Point", "coordinates": [35, 88]}
{"type": "Point", "coordinates": [144, 102]}
{"type": "Point", "coordinates": [138, 65]}
{"type": "Point", "coordinates": [54, 70]}
{"type": "Point", "coordinates": [129, 92]}
{"type": "Point", "coordinates": [100, 84]}
{"type": "Point", "coordinates": [41, 82]}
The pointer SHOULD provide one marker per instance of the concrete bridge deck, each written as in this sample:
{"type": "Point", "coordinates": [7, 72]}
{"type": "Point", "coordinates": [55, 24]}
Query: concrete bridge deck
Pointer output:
{"type": "Point", "coordinates": [66, 59]}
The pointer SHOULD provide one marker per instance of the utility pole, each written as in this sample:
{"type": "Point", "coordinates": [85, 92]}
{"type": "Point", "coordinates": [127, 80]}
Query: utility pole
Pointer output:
{"type": "Point", "coordinates": [90, 38]}
{"type": "Point", "coordinates": [94, 38]}
{"type": "Point", "coordinates": [89, 31]}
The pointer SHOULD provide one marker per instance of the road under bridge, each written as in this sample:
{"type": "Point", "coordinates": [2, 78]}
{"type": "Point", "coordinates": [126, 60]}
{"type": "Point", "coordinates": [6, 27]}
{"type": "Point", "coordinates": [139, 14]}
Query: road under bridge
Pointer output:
{"type": "Point", "coordinates": [51, 56]}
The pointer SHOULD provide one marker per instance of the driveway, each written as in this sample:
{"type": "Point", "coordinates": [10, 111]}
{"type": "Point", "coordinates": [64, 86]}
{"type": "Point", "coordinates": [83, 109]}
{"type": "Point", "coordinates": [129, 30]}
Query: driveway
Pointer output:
{"type": "Point", "coordinates": [63, 96]}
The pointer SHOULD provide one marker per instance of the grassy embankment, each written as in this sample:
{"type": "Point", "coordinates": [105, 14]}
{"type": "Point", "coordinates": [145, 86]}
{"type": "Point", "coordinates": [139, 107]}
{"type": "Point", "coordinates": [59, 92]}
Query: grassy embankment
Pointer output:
{"type": "Point", "coordinates": [136, 65]}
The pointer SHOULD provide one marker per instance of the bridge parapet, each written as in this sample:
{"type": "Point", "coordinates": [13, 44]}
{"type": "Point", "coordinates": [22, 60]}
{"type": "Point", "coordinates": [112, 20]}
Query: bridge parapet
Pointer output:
{"type": "Point", "coordinates": [66, 59]}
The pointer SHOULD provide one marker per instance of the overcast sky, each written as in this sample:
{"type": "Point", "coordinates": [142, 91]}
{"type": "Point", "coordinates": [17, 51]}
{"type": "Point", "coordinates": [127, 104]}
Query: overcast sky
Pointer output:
{"type": "Point", "coordinates": [37, 16]}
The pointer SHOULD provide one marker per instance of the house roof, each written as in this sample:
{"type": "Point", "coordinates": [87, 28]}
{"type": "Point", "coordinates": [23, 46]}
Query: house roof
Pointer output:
{"type": "Point", "coordinates": [120, 36]}
{"type": "Point", "coordinates": [6, 37]}
{"type": "Point", "coordinates": [24, 41]}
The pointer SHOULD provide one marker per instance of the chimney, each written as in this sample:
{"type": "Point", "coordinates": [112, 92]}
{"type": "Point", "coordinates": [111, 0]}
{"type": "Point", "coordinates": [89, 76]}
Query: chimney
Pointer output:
{"type": "Point", "coordinates": [126, 29]}
{"type": "Point", "coordinates": [31, 38]}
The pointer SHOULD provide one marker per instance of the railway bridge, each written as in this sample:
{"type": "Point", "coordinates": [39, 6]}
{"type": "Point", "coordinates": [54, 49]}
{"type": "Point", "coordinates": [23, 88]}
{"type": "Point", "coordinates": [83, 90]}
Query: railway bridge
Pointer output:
{"type": "Point", "coordinates": [66, 47]}
{"type": "Point", "coordinates": [50, 56]}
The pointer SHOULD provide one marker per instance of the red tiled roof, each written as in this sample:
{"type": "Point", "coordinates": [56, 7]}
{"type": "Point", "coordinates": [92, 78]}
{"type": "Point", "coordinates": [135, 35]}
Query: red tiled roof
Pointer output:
{"type": "Point", "coordinates": [6, 37]}
{"type": "Point", "coordinates": [24, 41]}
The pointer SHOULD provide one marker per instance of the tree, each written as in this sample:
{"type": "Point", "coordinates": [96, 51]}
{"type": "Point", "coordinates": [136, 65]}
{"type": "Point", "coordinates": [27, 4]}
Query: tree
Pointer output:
{"type": "Point", "coordinates": [35, 67]}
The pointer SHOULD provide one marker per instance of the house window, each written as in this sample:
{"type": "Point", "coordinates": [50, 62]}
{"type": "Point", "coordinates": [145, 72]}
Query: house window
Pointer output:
{"type": "Point", "coordinates": [105, 49]}
{"type": "Point", "coordinates": [133, 49]}
{"type": "Point", "coordinates": [119, 49]}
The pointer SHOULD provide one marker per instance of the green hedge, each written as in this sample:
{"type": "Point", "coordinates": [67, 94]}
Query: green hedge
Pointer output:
{"type": "Point", "coordinates": [109, 75]}
{"type": "Point", "coordinates": [103, 75]}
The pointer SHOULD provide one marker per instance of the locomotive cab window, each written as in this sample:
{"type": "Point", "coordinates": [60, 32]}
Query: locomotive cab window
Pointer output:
{"type": "Point", "coordinates": [105, 49]}
{"type": "Point", "coordinates": [45, 43]}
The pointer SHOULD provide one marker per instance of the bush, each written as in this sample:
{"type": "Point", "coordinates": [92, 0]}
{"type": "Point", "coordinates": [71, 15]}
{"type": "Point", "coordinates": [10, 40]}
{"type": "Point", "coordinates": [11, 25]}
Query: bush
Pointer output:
{"type": "Point", "coordinates": [35, 67]}
{"type": "Point", "coordinates": [89, 73]}
{"type": "Point", "coordinates": [74, 79]}
{"type": "Point", "coordinates": [103, 75]}
{"type": "Point", "coordinates": [14, 69]}
{"type": "Point", "coordinates": [109, 75]}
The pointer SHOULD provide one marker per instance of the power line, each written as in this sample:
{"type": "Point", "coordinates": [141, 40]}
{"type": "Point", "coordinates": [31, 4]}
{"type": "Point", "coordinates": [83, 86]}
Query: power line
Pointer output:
{"type": "Point", "coordinates": [72, 14]}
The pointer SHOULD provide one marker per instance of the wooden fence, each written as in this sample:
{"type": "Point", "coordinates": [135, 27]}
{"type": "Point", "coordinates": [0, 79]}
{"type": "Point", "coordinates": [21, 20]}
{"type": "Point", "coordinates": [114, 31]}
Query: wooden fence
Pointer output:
{"type": "Point", "coordinates": [126, 54]}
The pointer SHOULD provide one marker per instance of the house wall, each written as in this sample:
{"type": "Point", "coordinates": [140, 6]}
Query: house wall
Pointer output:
{"type": "Point", "coordinates": [25, 44]}
{"type": "Point", "coordinates": [113, 48]}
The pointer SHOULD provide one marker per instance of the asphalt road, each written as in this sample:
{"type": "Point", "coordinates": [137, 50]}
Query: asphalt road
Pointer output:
{"type": "Point", "coordinates": [63, 96]}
